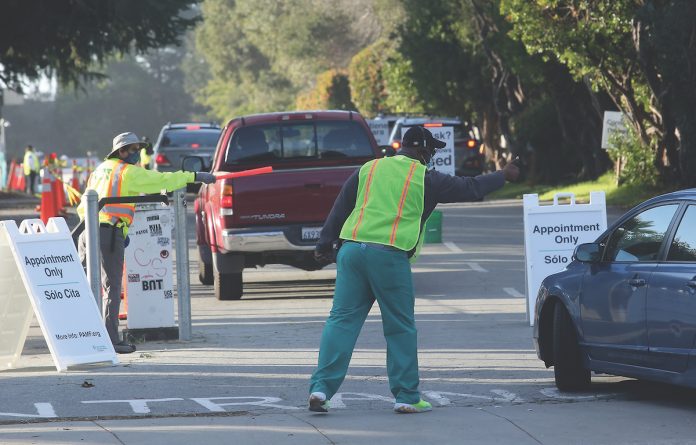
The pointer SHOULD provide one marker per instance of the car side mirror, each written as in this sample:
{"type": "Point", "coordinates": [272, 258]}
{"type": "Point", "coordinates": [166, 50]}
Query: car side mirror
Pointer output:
{"type": "Point", "coordinates": [588, 253]}
{"type": "Point", "coordinates": [387, 150]}
{"type": "Point", "coordinates": [192, 164]}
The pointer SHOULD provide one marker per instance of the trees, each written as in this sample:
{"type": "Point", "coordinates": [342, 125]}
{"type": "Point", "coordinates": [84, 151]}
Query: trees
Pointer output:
{"type": "Point", "coordinates": [638, 51]}
{"type": "Point", "coordinates": [69, 37]}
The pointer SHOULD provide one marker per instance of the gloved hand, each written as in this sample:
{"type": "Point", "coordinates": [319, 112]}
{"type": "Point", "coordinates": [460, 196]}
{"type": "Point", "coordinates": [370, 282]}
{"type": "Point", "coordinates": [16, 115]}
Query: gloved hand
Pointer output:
{"type": "Point", "coordinates": [126, 241]}
{"type": "Point", "coordinates": [324, 255]}
{"type": "Point", "coordinates": [205, 177]}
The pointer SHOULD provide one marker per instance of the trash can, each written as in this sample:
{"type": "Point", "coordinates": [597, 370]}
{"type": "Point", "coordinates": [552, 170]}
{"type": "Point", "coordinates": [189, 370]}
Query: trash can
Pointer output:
{"type": "Point", "coordinates": [433, 228]}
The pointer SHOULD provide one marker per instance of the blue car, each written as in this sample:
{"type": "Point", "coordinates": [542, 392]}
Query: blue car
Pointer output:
{"type": "Point", "coordinates": [626, 304]}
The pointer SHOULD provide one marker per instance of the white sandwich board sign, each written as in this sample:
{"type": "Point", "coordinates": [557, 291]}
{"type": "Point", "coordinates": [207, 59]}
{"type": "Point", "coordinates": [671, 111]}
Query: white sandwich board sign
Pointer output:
{"type": "Point", "coordinates": [614, 123]}
{"type": "Point", "coordinates": [41, 274]}
{"type": "Point", "coordinates": [443, 161]}
{"type": "Point", "coordinates": [148, 279]}
{"type": "Point", "coordinates": [551, 233]}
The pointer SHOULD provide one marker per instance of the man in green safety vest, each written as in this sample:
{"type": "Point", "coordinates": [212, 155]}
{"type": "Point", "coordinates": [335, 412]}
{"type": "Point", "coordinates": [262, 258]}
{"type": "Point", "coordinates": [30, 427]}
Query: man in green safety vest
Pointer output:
{"type": "Point", "coordinates": [121, 175]}
{"type": "Point", "coordinates": [377, 224]}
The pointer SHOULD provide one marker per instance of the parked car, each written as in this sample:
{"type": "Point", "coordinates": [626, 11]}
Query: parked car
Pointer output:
{"type": "Point", "coordinates": [178, 140]}
{"type": "Point", "coordinates": [626, 304]}
{"type": "Point", "coordinates": [275, 218]}
{"type": "Point", "coordinates": [469, 156]}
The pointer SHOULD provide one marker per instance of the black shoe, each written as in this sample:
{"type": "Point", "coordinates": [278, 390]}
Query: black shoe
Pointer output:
{"type": "Point", "coordinates": [124, 348]}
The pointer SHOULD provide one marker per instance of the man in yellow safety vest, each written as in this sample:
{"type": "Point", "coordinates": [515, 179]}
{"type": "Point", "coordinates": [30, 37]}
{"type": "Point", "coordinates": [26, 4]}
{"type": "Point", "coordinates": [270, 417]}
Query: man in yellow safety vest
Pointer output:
{"type": "Point", "coordinates": [31, 168]}
{"type": "Point", "coordinates": [120, 175]}
{"type": "Point", "coordinates": [378, 220]}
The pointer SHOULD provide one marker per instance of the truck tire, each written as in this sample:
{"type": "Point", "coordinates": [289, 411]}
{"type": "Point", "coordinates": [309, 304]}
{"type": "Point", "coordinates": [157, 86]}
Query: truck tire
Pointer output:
{"type": "Point", "coordinates": [205, 272]}
{"type": "Point", "coordinates": [228, 286]}
{"type": "Point", "coordinates": [568, 369]}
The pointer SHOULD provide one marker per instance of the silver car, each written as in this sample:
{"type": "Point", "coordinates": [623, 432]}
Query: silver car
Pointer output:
{"type": "Point", "coordinates": [176, 141]}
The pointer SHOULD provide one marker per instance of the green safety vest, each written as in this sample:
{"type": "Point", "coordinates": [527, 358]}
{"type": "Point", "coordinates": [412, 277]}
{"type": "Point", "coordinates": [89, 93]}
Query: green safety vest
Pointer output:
{"type": "Point", "coordinates": [389, 205]}
{"type": "Point", "coordinates": [113, 177]}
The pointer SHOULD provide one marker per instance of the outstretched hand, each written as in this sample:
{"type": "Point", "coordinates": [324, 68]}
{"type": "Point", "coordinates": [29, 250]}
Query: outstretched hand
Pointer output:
{"type": "Point", "coordinates": [511, 170]}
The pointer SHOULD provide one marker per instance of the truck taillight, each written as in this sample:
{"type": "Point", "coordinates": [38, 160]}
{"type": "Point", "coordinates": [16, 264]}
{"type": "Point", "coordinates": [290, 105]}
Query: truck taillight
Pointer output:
{"type": "Point", "coordinates": [471, 143]}
{"type": "Point", "coordinates": [396, 145]}
{"type": "Point", "coordinates": [162, 160]}
{"type": "Point", "coordinates": [226, 200]}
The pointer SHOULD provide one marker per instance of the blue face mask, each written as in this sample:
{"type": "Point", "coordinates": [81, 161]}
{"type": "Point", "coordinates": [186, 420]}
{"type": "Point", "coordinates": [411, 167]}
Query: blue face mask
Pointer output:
{"type": "Point", "coordinates": [133, 158]}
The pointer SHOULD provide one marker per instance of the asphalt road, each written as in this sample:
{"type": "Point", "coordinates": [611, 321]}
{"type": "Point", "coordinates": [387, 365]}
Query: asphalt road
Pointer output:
{"type": "Point", "coordinates": [246, 369]}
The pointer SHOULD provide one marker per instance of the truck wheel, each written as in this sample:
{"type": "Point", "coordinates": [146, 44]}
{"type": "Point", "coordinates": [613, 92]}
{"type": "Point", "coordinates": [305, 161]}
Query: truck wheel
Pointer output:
{"type": "Point", "coordinates": [568, 370]}
{"type": "Point", "coordinates": [205, 272]}
{"type": "Point", "coordinates": [228, 286]}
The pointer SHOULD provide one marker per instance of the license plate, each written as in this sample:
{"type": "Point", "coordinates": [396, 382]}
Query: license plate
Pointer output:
{"type": "Point", "coordinates": [311, 233]}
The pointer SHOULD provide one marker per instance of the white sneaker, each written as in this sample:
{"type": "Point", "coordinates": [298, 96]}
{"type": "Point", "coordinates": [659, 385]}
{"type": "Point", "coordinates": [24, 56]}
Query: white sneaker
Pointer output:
{"type": "Point", "coordinates": [318, 402]}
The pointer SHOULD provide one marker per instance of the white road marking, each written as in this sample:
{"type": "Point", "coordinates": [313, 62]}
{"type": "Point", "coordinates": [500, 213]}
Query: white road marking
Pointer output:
{"type": "Point", "coordinates": [476, 267]}
{"type": "Point", "coordinates": [43, 410]}
{"type": "Point", "coordinates": [139, 406]}
{"type": "Point", "coordinates": [338, 398]}
{"type": "Point", "coordinates": [513, 292]}
{"type": "Point", "coordinates": [453, 247]}
{"type": "Point", "coordinates": [208, 403]}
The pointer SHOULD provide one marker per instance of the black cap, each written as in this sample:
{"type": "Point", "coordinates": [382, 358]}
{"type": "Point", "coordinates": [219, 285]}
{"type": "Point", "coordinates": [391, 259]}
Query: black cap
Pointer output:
{"type": "Point", "coordinates": [419, 137]}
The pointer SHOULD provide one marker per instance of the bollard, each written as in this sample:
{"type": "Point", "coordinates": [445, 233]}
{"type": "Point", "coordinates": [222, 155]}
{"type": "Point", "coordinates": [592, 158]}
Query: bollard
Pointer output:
{"type": "Point", "coordinates": [92, 244]}
{"type": "Point", "coordinates": [182, 266]}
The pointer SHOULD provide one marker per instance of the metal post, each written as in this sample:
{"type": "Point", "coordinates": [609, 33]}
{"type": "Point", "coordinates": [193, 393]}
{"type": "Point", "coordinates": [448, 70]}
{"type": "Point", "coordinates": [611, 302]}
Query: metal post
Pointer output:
{"type": "Point", "coordinates": [182, 266]}
{"type": "Point", "coordinates": [92, 244]}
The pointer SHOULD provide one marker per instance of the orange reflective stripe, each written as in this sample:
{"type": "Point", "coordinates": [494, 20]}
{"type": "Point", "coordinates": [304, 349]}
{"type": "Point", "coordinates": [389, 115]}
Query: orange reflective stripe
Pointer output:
{"type": "Point", "coordinates": [404, 192]}
{"type": "Point", "coordinates": [367, 194]}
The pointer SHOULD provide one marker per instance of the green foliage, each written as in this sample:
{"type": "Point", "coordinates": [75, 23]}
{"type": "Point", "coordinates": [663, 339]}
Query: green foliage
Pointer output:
{"type": "Point", "coordinates": [331, 92]}
{"type": "Point", "coordinates": [636, 160]}
{"type": "Point", "coordinates": [367, 84]}
{"type": "Point", "coordinates": [67, 37]}
{"type": "Point", "coordinates": [262, 53]}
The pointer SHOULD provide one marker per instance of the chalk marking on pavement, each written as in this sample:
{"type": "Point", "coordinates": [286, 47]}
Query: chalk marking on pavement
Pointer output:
{"type": "Point", "coordinates": [207, 402]}
{"type": "Point", "coordinates": [453, 247]}
{"type": "Point", "coordinates": [43, 410]}
{"type": "Point", "coordinates": [476, 267]}
{"type": "Point", "coordinates": [502, 396]}
{"type": "Point", "coordinates": [513, 292]}
{"type": "Point", "coordinates": [338, 398]}
{"type": "Point", "coordinates": [554, 393]}
{"type": "Point", "coordinates": [139, 406]}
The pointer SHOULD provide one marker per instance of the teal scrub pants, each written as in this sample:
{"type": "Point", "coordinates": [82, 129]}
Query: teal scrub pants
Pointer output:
{"type": "Point", "coordinates": [366, 273]}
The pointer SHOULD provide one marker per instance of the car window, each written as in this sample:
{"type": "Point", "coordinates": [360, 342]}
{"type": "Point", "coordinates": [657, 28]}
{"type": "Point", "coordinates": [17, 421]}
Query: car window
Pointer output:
{"type": "Point", "coordinates": [683, 247]}
{"type": "Point", "coordinates": [640, 238]}
{"type": "Point", "coordinates": [327, 139]}
{"type": "Point", "coordinates": [190, 138]}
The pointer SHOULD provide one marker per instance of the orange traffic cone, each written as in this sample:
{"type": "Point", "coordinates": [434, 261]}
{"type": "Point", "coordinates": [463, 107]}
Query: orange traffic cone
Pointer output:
{"type": "Point", "coordinates": [75, 183]}
{"type": "Point", "coordinates": [21, 179]}
{"type": "Point", "coordinates": [11, 179]}
{"type": "Point", "coordinates": [48, 204]}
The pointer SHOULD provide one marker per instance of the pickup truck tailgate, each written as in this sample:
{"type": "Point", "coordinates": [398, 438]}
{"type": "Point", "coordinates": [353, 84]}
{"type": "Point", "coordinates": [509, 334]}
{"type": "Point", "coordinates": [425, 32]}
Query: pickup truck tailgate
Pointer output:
{"type": "Point", "coordinates": [288, 196]}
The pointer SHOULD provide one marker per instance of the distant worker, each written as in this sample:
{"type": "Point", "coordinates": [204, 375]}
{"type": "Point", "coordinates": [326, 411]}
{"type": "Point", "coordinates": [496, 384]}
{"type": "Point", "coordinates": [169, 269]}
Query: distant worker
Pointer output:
{"type": "Point", "coordinates": [120, 175]}
{"type": "Point", "coordinates": [378, 219]}
{"type": "Point", "coordinates": [31, 168]}
{"type": "Point", "coordinates": [146, 153]}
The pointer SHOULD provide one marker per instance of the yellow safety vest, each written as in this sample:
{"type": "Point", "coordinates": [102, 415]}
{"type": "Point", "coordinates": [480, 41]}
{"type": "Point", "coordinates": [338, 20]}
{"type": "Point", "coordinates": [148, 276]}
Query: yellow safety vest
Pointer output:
{"type": "Point", "coordinates": [30, 163]}
{"type": "Point", "coordinates": [113, 177]}
{"type": "Point", "coordinates": [389, 205]}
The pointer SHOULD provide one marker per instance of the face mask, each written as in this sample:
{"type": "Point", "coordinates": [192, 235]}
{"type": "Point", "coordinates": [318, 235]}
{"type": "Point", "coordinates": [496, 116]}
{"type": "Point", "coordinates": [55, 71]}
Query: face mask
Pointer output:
{"type": "Point", "coordinates": [133, 158]}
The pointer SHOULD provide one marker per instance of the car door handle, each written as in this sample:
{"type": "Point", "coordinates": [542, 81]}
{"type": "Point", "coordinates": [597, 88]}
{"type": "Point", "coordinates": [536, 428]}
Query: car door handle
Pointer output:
{"type": "Point", "coordinates": [636, 282]}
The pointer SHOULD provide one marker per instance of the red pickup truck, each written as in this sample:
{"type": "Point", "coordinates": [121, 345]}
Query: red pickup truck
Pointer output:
{"type": "Point", "coordinates": [275, 218]}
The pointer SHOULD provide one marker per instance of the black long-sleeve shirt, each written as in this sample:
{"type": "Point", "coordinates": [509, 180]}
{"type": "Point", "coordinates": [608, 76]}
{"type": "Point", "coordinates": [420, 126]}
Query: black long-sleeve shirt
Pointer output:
{"type": "Point", "coordinates": [438, 188]}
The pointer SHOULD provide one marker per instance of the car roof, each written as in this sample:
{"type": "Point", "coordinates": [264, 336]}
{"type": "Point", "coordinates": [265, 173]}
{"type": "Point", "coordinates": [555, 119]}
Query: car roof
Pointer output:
{"type": "Point", "coordinates": [679, 194]}
{"type": "Point", "coordinates": [408, 121]}
{"type": "Point", "coordinates": [185, 125]}
{"type": "Point", "coordinates": [308, 114]}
